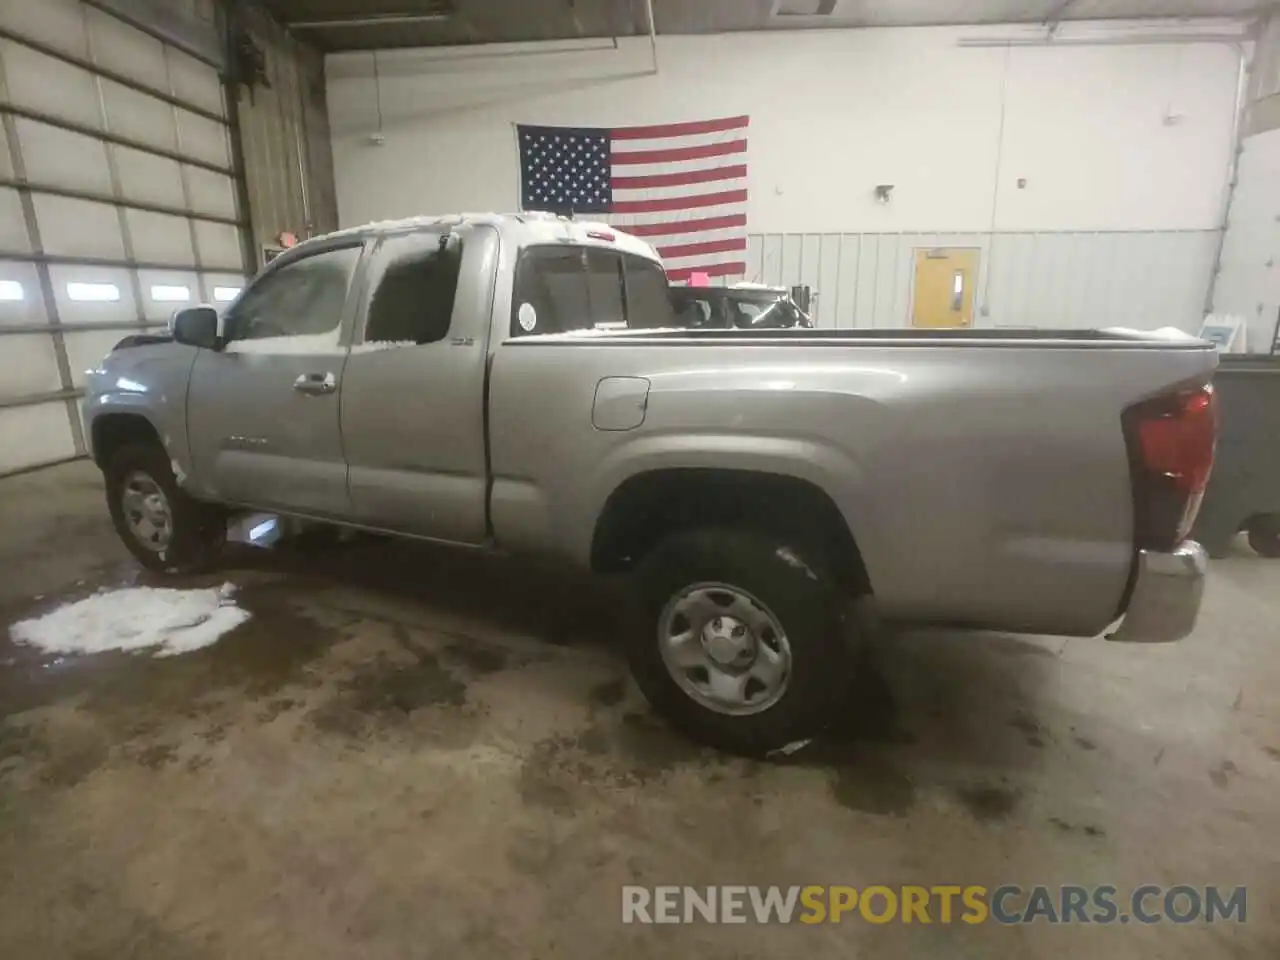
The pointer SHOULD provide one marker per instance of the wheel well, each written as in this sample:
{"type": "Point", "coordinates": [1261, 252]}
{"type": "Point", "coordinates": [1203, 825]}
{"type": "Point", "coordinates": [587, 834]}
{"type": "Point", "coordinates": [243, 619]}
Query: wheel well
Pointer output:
{"type": "Point", "coordinates": [650, 506]}
{"type": "Point", "coordinates": [113, 430]}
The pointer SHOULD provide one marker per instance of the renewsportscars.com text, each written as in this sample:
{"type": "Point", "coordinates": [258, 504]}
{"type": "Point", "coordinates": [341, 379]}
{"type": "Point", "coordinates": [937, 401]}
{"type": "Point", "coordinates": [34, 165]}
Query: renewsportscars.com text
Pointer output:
{"type": "Point", "coordinates": [913, 904]}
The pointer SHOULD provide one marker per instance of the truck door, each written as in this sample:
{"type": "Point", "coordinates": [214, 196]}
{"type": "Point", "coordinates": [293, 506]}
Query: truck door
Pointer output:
{"type": "Point", "coordinates": [413, 394]}
{"type": "Point", "coordinates": [263, 411]}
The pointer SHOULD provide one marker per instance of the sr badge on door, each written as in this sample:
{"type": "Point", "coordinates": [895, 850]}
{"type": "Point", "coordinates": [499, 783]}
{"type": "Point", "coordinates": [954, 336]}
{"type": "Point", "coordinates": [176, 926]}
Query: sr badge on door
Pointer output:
{"type": "Point", "coordinates": [620, 403]}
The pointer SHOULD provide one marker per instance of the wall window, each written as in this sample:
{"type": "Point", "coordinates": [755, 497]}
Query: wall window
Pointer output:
{"type": "Point", "coordinates": [304, 298]}
{"type": "Point", "coordinates": [226, 294]}
{"type": "Point", "coordinates": [413, 302]}
{"type": "Point", "coordinates": [11, 290]}
{"type": "Point", "coordinates": [93, 291]}
{"type": "Point", "coordinates": [170, 293]}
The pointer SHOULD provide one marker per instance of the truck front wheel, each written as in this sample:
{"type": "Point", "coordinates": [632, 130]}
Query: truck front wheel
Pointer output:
{"type": "Point", "coordinates": [745, 646]}
{"type": "Point", "coordinates": [167, 530]}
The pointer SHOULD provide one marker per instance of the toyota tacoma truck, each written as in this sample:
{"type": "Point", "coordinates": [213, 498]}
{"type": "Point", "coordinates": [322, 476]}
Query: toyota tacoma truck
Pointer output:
{"type": "Point", "coordinates": [501, 382]}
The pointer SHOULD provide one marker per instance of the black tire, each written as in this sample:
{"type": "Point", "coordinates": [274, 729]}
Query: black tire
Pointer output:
{"type": "Point", "coordinates": [806, 604]}
{"type": "Point", "coordinates": [198, 529]}
{"type": "Point", "coordinates": [1264, 534]}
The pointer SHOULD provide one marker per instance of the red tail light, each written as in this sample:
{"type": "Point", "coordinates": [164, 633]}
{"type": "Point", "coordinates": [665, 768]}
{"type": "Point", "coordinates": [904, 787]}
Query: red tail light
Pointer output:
{"type": "Point", "coordinates": [1171, 440]}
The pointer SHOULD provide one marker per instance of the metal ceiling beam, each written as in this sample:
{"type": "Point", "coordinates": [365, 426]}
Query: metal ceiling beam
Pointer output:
{"type": "Point", "coordinates": [392, 18]}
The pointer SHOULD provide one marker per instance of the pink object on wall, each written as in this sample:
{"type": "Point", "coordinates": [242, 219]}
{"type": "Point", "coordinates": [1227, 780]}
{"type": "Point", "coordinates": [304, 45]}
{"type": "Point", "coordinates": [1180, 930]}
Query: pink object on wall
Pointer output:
{"type": "Point", "coordinates": [699, 280]}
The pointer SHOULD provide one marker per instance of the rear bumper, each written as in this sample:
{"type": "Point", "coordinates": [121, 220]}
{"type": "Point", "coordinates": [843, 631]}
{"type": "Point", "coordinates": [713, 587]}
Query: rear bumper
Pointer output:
{"type": "Point", "coordinates": [1166, 595]}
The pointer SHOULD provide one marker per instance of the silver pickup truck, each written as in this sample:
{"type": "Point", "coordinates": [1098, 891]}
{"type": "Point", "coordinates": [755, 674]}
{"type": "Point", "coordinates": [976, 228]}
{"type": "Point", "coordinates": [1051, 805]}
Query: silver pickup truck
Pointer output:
{"type": "Point", "coordinates": [471, 380]}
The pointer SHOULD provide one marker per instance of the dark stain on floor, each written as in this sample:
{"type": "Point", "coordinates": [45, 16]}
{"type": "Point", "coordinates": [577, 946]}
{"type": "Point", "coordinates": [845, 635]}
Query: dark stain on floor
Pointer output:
{"type": "Point", "coordinates": [1084, 743]}
{"type": "Point", "coordinates": [1088, 829]}
{"type": "Point", "coordinates": [873, 784]}
{"type": "Point", "coordinates": [1221, 774]}
{"type": "Point", "coordinates": [388, 691]}
{"type": "Point", "coordinates": [608, 694]}
{"type": "Point", "coordinates": [988, 803]}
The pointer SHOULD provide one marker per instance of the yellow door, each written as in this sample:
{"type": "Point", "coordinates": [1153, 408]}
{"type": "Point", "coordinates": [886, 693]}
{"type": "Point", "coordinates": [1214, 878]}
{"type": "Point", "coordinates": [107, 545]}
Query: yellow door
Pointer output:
{"type": "Point", "coordinates": [944, 284]}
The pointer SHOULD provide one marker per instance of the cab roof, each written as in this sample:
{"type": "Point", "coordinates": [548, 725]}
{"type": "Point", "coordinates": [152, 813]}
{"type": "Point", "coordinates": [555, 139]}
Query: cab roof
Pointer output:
{"type": "Point", "coordinates": [530, 227]}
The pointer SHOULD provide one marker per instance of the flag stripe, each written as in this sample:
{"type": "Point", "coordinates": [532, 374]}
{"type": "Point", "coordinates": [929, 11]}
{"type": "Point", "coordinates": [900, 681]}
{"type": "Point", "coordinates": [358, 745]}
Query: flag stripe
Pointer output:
{"type": "Point", "coordinates": [680, 153]}
{"type": "Point", "coordinates": [678, 129]}
{"type": "Point", "coordinates": [679, 179]}
{"type": "Point", "coordinates": [679, 203]}
{"type": "Point", "coordinates": [685, 226]}
{"type": "Point", "coordinates": [711, 270]}
{"type": "Point", "coordinates": [696, 249]}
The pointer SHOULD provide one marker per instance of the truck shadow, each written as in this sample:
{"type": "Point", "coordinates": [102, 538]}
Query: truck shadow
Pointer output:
{"type": "Point", "coordinates": [920, 700]}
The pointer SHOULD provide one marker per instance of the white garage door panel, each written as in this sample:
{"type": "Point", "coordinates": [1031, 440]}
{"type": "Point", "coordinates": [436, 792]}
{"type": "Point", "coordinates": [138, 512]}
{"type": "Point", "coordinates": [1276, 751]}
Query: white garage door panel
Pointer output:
{"type": "Point", "coordinates": [34, 435]}
{"type": "Point", "coordinates": [30, 307]}
{"type": "Point", "coordinates": [86, 348]}
{"type": "Point", "coordinates": [61, 158]}
{"type": "Point", "coordinates": [13, 229]}
{"type": "Point", "coordinates": [223, 287]}
{"type": "Point", "coordinates": [123, 310]}
{"type": "Point", "coordinates": [211, 192]}
{"type": "Point", "coordinates": [59, 23]}
{"type": "Point", "coordinates": [47, 343]}
{"type": "Point", "coordinates": [139, 117]}
{"type": "Point", "coordinates": [149, 179]}
{"type": "Point", "coordinates": [78, 228]}
{"type": "Point", "coordinates": [129, 52]}
{"type": "Point", "coordinates": [159, 238]}
{"type": "Point", "coordinates": [161, 289]}
{"type": "Point", "coordinates": [204, 139]}
{"type": "Point", "coordinates": [219, 244]}
{"type": "Point", "coordinates": [195, 82]}
{"type": "Point", "coordinates": [6, 161]}
{"type": "Point", "coordinates": [30, 365]}
{"type": "Point", "coordinates": [50, 86]}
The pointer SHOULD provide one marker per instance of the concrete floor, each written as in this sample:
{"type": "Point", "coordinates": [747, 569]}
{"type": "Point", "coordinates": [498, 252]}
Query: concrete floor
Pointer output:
{"type": "Point", "coordinates": [411, 752]}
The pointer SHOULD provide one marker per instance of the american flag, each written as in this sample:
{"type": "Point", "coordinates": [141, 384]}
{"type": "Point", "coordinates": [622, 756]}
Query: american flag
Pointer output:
{"type": "Point", "coordinates": [680, 186]}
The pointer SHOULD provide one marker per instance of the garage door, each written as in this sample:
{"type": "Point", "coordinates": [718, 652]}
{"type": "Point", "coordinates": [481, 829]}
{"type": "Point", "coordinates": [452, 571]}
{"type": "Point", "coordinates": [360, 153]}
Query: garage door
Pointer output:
{"type": "Point", "coordinates": [117, 206]}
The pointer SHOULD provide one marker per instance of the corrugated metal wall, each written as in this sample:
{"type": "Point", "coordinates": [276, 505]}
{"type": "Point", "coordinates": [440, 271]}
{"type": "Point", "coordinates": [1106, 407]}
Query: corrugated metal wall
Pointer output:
{"type": "Point", "coordinates": [1139, 279]}
{"type": "Point", "coordinates": [284, 131]}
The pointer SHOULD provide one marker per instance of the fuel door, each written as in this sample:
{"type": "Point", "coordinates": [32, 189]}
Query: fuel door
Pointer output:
{"type": "Point", "coordinates": [620, 403]}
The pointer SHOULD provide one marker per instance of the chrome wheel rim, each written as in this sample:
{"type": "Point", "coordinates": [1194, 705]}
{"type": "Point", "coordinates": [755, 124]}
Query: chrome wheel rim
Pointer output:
{"type": "Point", "coordinates": [724, 648]}
{"type": "Point", "coordinates": [146, 511]}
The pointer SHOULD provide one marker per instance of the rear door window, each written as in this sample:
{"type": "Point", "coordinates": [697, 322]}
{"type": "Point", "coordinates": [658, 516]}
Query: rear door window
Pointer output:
{"type": "Point", "coordinates": [413, 301]}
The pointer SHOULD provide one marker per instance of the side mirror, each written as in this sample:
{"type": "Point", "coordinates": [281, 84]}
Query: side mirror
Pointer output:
{"type": "Point", "coordinates": [198, 327]}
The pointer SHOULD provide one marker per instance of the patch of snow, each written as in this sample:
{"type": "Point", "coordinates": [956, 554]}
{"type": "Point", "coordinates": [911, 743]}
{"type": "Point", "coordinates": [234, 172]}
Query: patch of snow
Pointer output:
{"type": "Point", "coordinates": [135, 618]}
{"type": "Point", "coordinates": [749, 285]}
{"type": "Point", "coordinates": [299, 345]}
{"type": "Point", "coordinates": [178, 475]}
{"type": "Point", "coordinates": [605, 330]}
{"type": "Point", "coordinates": [375, 345]}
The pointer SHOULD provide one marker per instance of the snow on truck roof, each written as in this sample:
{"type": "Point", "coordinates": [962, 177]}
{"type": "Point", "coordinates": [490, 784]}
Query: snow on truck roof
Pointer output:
{"type": "Point", "coordinates": [534, 226]}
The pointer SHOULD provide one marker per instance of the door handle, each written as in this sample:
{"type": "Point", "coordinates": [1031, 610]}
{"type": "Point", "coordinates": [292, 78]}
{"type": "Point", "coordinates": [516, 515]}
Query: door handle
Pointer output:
{"type": "Point", "coordinates": [315, 384]}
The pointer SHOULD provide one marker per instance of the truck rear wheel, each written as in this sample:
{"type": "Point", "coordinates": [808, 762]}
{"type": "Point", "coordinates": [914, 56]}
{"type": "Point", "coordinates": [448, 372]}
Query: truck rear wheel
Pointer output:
{"type": "Point", "coordinates": [167, 530]}
{"type": "Point", "coordinates": [745, 646]}
{"type": "Point", "coordinates": [1264, 534]}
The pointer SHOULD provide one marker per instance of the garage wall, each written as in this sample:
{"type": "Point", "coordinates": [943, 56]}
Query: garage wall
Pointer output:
{"type": "Point", "coordinates": [117, 205]}
{"type": "Point", "coordinates": [1123, 151]}
{"type": "Point", "coordinates": [284, 128]}
{"type": "Point", "coordinates": [1248, 278]}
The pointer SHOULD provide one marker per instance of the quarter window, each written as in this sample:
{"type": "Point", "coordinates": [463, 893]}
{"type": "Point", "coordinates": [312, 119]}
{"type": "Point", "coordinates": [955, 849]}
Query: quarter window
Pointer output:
{"type": "Point", "coordinates": [577, 288]}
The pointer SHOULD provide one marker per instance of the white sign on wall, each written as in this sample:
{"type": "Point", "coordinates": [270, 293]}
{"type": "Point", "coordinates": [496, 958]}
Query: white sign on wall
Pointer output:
{"type": "Point", "coordinates": [1226, 332]}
